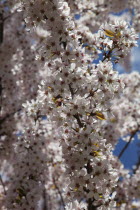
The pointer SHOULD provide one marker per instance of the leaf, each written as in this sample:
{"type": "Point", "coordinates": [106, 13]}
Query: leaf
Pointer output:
{"type": "Point", "coordinates": [118, 34]}
{"type": "Point", "coordinates": [95, 153]}
{"type": "Point", "coordinates": [88, 114]}
{"type": "Point", "coordinates": [113, 120]}
{"type": "Point", "coordinates": [53, 187]}
{"type": "Point", "coordinates": [21, 192]}
{"type": "Point", "coordinates": [109, 33]}
{"type": "Point", "coordinates": [99, 115]}
{"type": "Point", "coordinates": [95, 144]}
{"type": "Point", "coordinates": [112, 34]}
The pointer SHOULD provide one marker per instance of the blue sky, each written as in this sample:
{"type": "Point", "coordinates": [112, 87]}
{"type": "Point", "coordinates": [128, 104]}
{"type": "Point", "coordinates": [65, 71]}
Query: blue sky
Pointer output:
{"type": "Point", "coordinates": [135, 59]}
{"type": "Point", "coordinates": [130, 156]}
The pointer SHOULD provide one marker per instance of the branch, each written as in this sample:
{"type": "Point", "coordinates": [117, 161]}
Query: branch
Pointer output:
{"type": "Point", "coordinates": [8, 115]}
{"type": "Point", "coordinates": [137, 165]}
{"type": "Point", "coordinates": [71, 90]}
{"type": "Point", "coordinates": [59, 192]}
{"type": "Point", "coordinates": [1, 27]}
{"type": "Point", "coordinates": [91, 94]}
{"type": "Point", "coordinates": [91, 206]}
{"type": "Point", "coordinates": [125, 147]}
{"type": "Point", "coordinates": [2, 20]}
{"type": "Point", "coordinates": [45, 207]}
{"type": "Point", "coordinates": [1, 88]}
{"type": "Point", "coordinates": [78, 120]}
{"type": "Point", "coordinates": [2, 183]}
{"type": "Point", "coordinates": [108, 55]}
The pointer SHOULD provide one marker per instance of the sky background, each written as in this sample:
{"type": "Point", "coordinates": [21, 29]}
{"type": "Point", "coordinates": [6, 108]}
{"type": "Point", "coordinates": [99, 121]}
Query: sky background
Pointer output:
{"type": "Point", "coordinates": [130, 156]}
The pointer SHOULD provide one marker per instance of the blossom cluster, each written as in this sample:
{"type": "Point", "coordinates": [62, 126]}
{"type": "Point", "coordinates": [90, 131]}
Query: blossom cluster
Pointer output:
{"type": "Point", "coordinates": [128, 191]}
{"type": "Point", "coordinates": [125, 120]}
{"type": "Point", "coordinates": [62, 114]}
{"type": "Point", "coordinates": [76, 106]}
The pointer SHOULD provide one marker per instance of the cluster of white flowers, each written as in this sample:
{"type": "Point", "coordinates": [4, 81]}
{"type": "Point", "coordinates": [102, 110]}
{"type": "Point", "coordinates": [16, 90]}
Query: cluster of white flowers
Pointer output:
{"type": "Point", "coordinates": [125, 120]}
{"type": "Point", "coordinates": [75, 99]}
{"type": "Point", "coordinates": [19, 75]}
{"type": "Point", "coordinates": [114, 40]}
{"type": "Point", "coordinates": [128, 191]}
{"type": "Point", "coordinates": [62, 114]}
{"type": "Point", "coordinates": [26, 184]}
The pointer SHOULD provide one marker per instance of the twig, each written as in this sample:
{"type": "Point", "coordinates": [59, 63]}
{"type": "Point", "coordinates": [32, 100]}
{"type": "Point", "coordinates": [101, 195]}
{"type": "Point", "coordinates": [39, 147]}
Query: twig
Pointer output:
{"type": "Point", "coordinates": [108, 55]}
{"type": "Point", "coordinates": [2, 20]}
{"type": "Point", "coordinates": [91, 94]}
{"type": "Point", "coordinates": [59, 192]}
{"type": "Point", "coordinates": [8, 115]}
{"type": "Point", "coordinates": [2, 183]}
{"type": "Point", "coordinates": [1, 88]}
{"type": "Point", "coordinates": [45, 206]}
{"type": "Point", "coordinates": [14, 13]}
{"type": "Point", "coordinates": [71, 90]}
{"type": "Point", "coordinates": [137, 165]}
{"type": "Point", "coordinates": [125, 147]}
{"type": "Point", "coordinates": [91, 206]}
{"type": "Point", "coordinates": [1, 27]}
{"type": "Point", "coordinates": [78, 120]}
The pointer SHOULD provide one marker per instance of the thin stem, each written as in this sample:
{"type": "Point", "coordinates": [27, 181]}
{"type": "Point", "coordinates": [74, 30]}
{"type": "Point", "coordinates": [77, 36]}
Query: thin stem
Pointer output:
{"type": "Point", "coordinates": [1, 27]}
{"type": "Point", "coordinates": [91, 206]}
{"type": "Point", "coordinates": [91, 94]}
{"type": "Point", "coordinates": [59, 192]}
{"type": "Point", "coordinates": [108, 55]}
{"type": "Point", "coordinates": [125, 147]}
{"type": "Point", "coordinates": [8, 115]}
{"type": "Point", "coordinates": [9, 16]}
{"type": "Point", "coordinates": [71, 90]}
{"type": "Point", "coordinates": [2, 183]}
{"type": "Point", "coordinates": [137, 166]}
{"type": "Point", "coordinates": [45, 206]}
{"type": "Point", "coordinates": [1, 88]}
{"type": "Point", "coordinates": [78, 120]}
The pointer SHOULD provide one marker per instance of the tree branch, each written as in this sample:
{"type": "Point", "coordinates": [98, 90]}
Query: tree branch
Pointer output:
{"type": "Point", "coordinates": [78, 120]}
{"type": "Point", "coordinates": [2, 183]}
{"type": "Point", "coordinates": [8, 115]}
{"type": "Point", "coordinates": [127, 144]}
{"type": "Point", "coordinates": [1, 27]}
{"type": "Point", "coordinates": [71, 90]}
{"type": "Point", "coordinates": [59, 192]}
{"type": "Point", "coordinates": [136, 166]}
{"type": "Point", "coordinates": [45, 206]}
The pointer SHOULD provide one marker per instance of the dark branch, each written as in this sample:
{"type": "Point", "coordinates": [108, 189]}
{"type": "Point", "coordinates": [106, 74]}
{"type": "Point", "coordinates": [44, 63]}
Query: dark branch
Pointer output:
{"type": "Point", "coordinates": [1, 27]}
{"type": "Point", "coordinates": [45, 207]}
{"type": "Point", "coordinates": [107, 55]}
{"type": "Point", "coordinates": [59, 192]}
{"type": "Point", "coordinates": [137, 165]}
{"type": "Point", "coordinates": [71, 90]}
{"type": "Point", "coordinates": [125, 147]}
{"type": "Point", "coordinates": [2, 183]}
{"type": "Point", "coordinates": [8, 115]}
{"type": "Point", "coordinates": [78, 120]}
{"type": "Point", "coordinates": [91, 206]}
